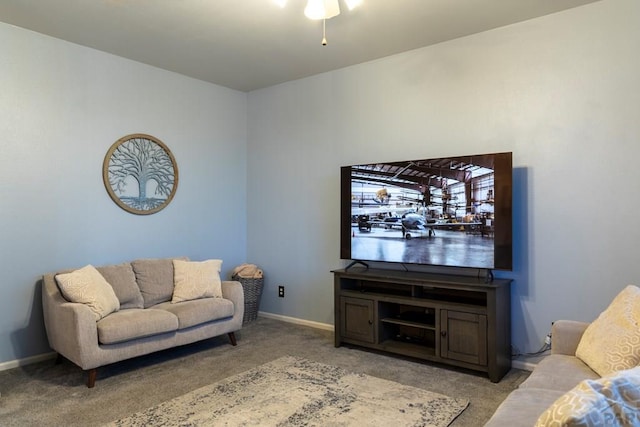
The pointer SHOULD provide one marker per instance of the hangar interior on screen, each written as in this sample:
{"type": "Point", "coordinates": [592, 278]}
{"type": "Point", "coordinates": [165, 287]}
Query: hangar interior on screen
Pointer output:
{"type": "Point", "coordinates": [445, 211]}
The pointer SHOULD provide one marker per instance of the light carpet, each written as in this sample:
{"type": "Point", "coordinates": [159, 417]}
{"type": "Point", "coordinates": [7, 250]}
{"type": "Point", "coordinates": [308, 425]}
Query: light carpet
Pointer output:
{"type": "Point", "coordinates": [291, 391]}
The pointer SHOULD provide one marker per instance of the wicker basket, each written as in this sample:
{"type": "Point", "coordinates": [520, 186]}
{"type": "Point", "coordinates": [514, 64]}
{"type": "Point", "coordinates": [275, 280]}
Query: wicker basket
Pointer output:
{"type": "Point", "coordinates": [252, 293]}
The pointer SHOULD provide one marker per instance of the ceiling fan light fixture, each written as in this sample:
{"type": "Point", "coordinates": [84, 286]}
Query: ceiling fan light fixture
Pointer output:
{"type": "Point", "coordinates": [321, 9]}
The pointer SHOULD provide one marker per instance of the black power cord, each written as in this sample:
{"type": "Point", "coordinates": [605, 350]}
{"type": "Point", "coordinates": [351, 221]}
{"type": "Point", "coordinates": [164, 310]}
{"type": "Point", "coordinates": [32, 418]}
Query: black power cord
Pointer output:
{"type": "Point", "coordinates": [545, 347]}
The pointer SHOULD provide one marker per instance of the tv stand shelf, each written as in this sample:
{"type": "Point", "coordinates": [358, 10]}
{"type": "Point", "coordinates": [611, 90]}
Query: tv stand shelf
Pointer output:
{"type": "Point", "coordinates": [407, 323]}
{"type": "Point", "coordinates": [456, 320]}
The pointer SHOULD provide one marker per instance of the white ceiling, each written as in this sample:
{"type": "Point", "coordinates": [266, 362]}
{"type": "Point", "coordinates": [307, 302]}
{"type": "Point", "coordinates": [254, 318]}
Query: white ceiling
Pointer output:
{"type": "Point", "coordinates": [251, 44]}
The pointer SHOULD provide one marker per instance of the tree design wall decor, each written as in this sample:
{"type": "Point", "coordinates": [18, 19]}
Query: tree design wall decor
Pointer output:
{"type": "Point", "coordinates": [140, 174]}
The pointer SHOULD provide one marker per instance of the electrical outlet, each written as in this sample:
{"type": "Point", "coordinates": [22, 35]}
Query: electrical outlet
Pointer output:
{"type": "Point", "coordinates": [281, 291]}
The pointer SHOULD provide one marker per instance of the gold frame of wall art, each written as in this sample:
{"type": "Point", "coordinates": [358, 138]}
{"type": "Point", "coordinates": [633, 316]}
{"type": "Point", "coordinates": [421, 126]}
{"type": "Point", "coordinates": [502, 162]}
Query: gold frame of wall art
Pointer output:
{"type": "Point", "coordinates": [140, 174]}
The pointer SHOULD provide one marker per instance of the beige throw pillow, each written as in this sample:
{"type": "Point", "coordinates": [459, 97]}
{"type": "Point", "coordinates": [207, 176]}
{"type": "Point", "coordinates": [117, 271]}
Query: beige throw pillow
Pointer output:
{"type": "Point", "coordinates": [608, 401]}
{"type": "Point", "coordinates": [196, 279]}
{"type": "Point", "coordinates": [87, 286]}
{"type": "Point", "coordinates": [612, 342]}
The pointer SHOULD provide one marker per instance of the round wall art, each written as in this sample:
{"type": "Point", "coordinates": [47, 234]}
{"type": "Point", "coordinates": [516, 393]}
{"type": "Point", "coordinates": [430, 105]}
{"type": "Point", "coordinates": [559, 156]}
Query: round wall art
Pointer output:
{"type": "Point", "coordinates": [140, 174]}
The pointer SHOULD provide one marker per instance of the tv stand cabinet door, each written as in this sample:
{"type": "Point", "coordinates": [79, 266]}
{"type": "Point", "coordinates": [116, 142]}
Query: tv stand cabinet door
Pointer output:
{"type": "Point", "coordinates": [463, 337]}
{"type": "Point", "coordinates": [357, 319]}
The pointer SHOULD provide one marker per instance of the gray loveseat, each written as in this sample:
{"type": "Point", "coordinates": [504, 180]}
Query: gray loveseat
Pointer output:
{"type": "Point", "coordinates": [554, 376]}
{"type": "Point", "coordinates": [146, 321]}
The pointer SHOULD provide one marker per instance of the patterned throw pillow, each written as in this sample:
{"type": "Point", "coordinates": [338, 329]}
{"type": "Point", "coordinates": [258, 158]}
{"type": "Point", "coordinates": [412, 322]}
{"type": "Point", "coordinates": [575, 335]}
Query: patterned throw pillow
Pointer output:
{"type": "Point", "coordinates": [609, 401]}
{"type": "Point", "coordinates": [196, 279]}
{"type": "Point", "coordinates": [612, 342]}
{"type": "Point", "coordinates": [87, 286]}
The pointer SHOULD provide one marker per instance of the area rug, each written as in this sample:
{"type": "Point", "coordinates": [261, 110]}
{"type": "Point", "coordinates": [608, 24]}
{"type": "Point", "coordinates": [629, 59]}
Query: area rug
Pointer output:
{"type": "Point", "coordinates": [292, 391]}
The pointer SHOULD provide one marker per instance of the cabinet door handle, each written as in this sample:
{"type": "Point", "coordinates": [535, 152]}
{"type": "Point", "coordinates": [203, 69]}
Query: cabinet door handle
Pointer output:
{"type": "Point", "coordinates": [443, 334]}
{"type": "Point", "coordinates": [370, 322]}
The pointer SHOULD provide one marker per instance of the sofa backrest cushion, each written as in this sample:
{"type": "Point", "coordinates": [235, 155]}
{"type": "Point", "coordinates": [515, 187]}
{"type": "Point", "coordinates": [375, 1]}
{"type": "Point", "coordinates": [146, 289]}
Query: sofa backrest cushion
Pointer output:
{"type": "Point", "coordinates": [87, 286]}
{"type": "Point", "coordinates": [123, 281]}
{"type": "Point", "coordinates": [155, 279]}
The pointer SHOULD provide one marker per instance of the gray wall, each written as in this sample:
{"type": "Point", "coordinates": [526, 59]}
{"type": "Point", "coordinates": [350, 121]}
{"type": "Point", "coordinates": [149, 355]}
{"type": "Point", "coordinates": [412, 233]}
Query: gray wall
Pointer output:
{"type": "Point", "coordinates": [561, 92]}
{"type": "Point", "coordinates": [61, 108]}
{"type": "Point", "coordinates": [259, 174]}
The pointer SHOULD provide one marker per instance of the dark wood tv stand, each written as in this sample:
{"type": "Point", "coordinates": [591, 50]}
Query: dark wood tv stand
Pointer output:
{"type": "Point", "coordinates": [455, 320]}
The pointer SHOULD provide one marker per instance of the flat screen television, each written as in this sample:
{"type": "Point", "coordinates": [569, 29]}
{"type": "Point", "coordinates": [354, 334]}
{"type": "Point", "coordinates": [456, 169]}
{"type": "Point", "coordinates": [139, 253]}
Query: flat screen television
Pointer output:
{"type": "Point", "coordinates": [449, 211]}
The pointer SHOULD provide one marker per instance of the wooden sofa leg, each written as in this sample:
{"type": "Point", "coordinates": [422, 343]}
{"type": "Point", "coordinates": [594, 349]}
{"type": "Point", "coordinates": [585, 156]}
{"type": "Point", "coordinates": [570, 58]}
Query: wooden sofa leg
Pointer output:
{"type": "Point", "coordinates": [91, 377]}
{"type": "Point", "coordinates": [232, 338]}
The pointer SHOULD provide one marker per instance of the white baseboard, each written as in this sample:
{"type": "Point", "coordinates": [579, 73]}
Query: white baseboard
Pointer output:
{"type": "Point", "coordinates": [26, 361]}
{"type": "Point", "coordinates": [518, 364]}
{"type": "Point", "coordinates": [46, 356]}
{"type": "Point", "coordinates": [317, 325]}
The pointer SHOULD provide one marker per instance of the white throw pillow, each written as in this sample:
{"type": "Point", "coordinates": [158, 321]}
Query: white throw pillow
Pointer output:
{"type": "Point", "coordinates": [612, 342]}
{"type": "Point", "coordinates": [608, 401]}
{"type": "Point", "coordinates": [87, 286]}
{"type": "Point", "coordinates": [196, 279]}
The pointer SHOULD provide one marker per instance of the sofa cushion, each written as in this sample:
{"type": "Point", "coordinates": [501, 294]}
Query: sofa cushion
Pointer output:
{"type": "Point", "coordinates": [123, 281]}
{"type": "Point", "coordinates": [522, 407]}
{"type": "Point", "coordinates": [196, 279]}
{"type": "Point", "coordinates": [612, 342]}
{"type": "Point", "coordinates": [155, 279]}
{"type": "Point", "coordinates": [131, 324]}
{"type": "Point", "coordinates": [195, 312]}
{"type": "Point", "coordinates": [559, 372]}
{"type": "Point", "coordinates": [87, 286]}
{"type": "Point", "coordinates": [610, 400]}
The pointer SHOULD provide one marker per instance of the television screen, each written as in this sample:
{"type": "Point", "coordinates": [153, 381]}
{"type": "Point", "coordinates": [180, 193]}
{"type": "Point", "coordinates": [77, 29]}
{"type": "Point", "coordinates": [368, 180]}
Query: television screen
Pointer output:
{"type": "Point", "coordinates": [453, 211]}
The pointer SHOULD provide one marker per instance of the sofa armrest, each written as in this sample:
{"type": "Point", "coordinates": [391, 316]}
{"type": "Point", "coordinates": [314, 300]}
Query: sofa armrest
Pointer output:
{"type": "Point", "coordinates": [71, 327]}
{"type": "Point", "coordinates": [566, 335]}
{"type": "Point", "coordinates": [233, 290]}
